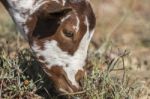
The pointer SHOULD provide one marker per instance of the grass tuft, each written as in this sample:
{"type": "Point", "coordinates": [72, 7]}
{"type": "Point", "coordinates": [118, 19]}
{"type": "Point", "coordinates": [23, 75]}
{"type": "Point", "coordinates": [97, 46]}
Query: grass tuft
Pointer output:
{"type": "Point", "coordinates": [20, 77]}
{"type": "Point", "coordinates": [14, 83]}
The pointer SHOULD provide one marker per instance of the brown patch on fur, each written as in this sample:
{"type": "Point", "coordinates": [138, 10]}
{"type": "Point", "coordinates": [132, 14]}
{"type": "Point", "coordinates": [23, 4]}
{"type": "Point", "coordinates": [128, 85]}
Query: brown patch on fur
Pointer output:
{"type": "Point", "coordinates": [42, 58]}
{"type": "Point", "coordinates": [79, 75]}
{"type": "Point", "coordinates": [60, 79]}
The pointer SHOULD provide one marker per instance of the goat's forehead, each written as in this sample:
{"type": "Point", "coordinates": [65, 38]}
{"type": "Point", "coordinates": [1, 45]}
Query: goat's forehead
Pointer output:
{"type": "Point", "coordinates": [72, 21]}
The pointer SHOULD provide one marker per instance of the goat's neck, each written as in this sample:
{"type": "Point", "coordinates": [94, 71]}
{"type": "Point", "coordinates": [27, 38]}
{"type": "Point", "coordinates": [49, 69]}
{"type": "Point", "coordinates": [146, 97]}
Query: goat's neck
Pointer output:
{"type": "Point", "coordinates": [20, 11]}
{"type": "Point", "coordinates": [12, 10]}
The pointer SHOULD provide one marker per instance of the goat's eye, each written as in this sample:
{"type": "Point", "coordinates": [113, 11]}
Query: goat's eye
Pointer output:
{"type": "Point", "coordinates": [68, 34]}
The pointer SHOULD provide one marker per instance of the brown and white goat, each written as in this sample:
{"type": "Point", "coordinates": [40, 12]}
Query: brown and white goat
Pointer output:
{"type": "Point", "coordinates": [59, 32]}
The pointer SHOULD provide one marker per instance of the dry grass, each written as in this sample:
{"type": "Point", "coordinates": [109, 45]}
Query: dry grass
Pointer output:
{"type": "Point", "coordinates": [21, 78]}
{"type": "Point", "coordinates": [116, 73]}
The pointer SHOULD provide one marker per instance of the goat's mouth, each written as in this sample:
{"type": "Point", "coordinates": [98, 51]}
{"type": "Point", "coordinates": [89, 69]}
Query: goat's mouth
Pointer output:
{"type": "Point", "coordinates": [61, 81]}
{"type": "Point", "coordinates": [64, 86]}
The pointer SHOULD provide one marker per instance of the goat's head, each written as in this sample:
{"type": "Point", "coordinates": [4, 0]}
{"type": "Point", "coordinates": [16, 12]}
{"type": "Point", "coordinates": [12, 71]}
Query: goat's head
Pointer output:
{"type": "Point", "coordinates": [59, 32]}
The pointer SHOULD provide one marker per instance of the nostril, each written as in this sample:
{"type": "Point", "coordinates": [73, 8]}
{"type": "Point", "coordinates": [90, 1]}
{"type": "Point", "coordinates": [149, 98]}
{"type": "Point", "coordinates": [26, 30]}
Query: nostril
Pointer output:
{"type": "Point", "coordinates": [81, 82]}
{"type": "Point", "coordinates": [79, 75]}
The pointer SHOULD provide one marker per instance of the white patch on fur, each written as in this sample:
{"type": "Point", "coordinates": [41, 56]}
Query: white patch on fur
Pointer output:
{"type": "Point", "coordinates": [65, 18]}
{"type": "Point", "coordinates": [90, 32]}
{"type": "Point", "coordinates": [63, 2]}
{"type": "Point", "coordinates": [70, 63]}
{"type": "Point", "coordinates": [20, 10]}
{"type": "Point", "coordinates": [56, 1]}
{"type": "Point", "coordinates": [26, 30]}
{"type": "Point", "coordinates": [77, 25]}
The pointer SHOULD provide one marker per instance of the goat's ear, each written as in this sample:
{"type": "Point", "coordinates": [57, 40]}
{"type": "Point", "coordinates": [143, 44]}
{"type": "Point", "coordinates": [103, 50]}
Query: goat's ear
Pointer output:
{"type": "Point", "coordinates": [55, 9]}
{"type": "Point", "coordinates": [60, 12]}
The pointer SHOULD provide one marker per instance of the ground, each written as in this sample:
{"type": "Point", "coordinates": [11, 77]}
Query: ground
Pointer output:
{"type": "Point", "coordinates": [119, 54]}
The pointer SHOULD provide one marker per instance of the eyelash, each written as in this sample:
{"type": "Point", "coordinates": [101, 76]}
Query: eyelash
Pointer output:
{"type": "Point", "coordinates": [68, 33]}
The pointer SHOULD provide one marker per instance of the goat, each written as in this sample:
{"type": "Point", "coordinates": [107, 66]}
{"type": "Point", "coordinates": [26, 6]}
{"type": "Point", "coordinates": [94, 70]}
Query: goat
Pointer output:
{"type": "Point", "coordinates": [58, 32]}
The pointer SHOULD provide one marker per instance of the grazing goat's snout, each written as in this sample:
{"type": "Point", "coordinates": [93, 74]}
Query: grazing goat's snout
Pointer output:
{"type": "Point", "coordinates": [59, 32]}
